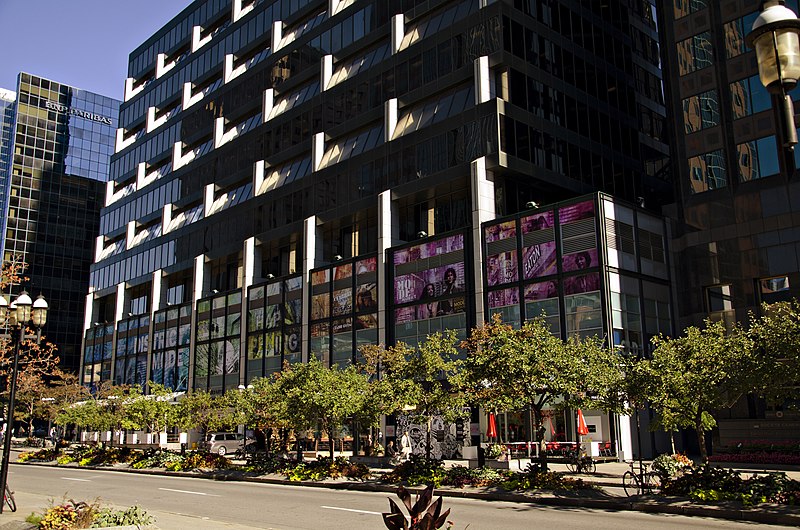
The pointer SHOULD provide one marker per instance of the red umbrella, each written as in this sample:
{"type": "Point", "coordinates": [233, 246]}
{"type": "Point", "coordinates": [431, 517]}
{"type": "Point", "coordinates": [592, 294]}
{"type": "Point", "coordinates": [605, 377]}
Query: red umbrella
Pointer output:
{"type": "Point", "coordinates": [491, 432]}
{"type": "Point", "coordinates": [583, 430]}
{"type": "Point", "coordinates": [552, 427]}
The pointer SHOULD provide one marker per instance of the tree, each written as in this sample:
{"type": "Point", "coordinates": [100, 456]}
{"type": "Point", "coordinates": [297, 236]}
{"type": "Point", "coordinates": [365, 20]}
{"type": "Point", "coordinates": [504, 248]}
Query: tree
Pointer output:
{"type": "Point", "coordinates": [153, 412]}
{"type": "Point", "coordinates": [531, 369]}
{"type": "Point", "coordinates": [776, 339]}
{"type": "Point", "coordinates": [312, 395]}
{"type": "Point", "coordinates": [258, 406]}
{"type": "Point", "coordinates": [202, 411]}
{"type": "Point", "coordinates": [418, 381]}
{"type": "Point", "coordinates": [692, 376]}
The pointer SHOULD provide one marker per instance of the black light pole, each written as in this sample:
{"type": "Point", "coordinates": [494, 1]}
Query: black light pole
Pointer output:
{"type": "Point", "coordinates": [776, 39]}
{"type": "Point", "coordinates": [18, 314]}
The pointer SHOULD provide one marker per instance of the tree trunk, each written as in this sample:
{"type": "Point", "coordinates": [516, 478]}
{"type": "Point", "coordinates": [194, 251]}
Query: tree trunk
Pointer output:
{"type": "Point", "coordinates": [701, 438]}
{"type": "Point", "coordinates": [428, 439]}
{"type": "Point", "coordinates": [299, 447]}
{"type": "Point", "coordinates": [538, 422]}
{"type": "Point", "coordinates": [333, 444]}
{"type": "Point", "coordinates": [672, 441]}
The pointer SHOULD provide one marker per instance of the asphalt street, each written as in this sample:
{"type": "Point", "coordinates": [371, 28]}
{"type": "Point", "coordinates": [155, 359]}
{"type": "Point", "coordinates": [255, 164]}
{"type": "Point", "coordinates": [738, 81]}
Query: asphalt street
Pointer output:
{"type": "Point", "coordinates": [198, 504]}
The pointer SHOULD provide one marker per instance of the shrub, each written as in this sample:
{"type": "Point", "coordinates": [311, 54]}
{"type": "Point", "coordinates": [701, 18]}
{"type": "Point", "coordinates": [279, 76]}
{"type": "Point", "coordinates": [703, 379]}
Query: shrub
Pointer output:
{"type": "Point", "coordinates": [669, 466]}
{"type": "Point", "coordinates": [201, 460]}
{"type": "Point", "coordinates": [460, 477]}
{"type": "Point", "coordinates": [133, 516]}
{"type": "Point", "coordinates": [494, 450]}
{"type": "Point", "coordinates": [42, 455]}
{"type": "Point", "coordinates": [67, 516]}
{"type": "Point", "coordinates": [323, 468]}
{"type": "Point", "coordinates": [543, 480]}
{"type": "Point", "coordinates": [156, 458]}
{"type": "Point", "coordinates": [417, 470]}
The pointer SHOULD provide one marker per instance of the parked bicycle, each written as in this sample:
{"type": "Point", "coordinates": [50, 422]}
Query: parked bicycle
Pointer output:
{"type": "Point", "coordinates": [642, 483]}
{"type": "Point", "coordinates": [578, 462]}
{"type": "Point", "coordinates": [8, 498]}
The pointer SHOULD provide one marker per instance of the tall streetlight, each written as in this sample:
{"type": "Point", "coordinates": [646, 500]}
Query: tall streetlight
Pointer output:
{"type": "Point", "coordinates": [17, 314]}
{"type": "Point", "coordinates": [776, 39]}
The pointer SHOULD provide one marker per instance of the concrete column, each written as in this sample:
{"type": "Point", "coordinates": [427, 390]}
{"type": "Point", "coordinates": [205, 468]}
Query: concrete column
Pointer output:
{"type": "Point", "coordinates": [317, 150]}
{"type": "Point", "coordinates": [482, 80]}
{"type": "Point", "coordinates": [483, 209]}
{"type": "Point", "coordinates": [130, 233]}
{"type": "Point", "coordinates": [277, 35]}
{"type": "Point", "coordinates": [201, 284]}
{"type": "Point", "coordinates": [157, 292]}
{"type": "Point", "coordinates": [259, 171]}
{"type": "Point", "coordinates": [208, 199]}
{"type": "Point", "coordinates": [251, 271]}
{"type": "Point", "coordinates": [390, 119]}
{"type": "Point", "coordinates": [388, 234]}
{"type": "Point", "coordinates": [313, 251]}
{"type": "Point", "coordinates": [122, 299]}
{"type": "Point", "coordinates": [398, 32]}
{"type": "Point", "coordinates": [267, 103]}
{"type": "Point", "coordinates": [326, 72]}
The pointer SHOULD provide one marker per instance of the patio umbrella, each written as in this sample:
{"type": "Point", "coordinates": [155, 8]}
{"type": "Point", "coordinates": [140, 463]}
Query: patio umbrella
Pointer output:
{"type": "Point", "coordinates": [491, 432]}
{"type": "Point", "coordinates": [583, 430]}
{"type": "Point", "coordinates": [552, 428]}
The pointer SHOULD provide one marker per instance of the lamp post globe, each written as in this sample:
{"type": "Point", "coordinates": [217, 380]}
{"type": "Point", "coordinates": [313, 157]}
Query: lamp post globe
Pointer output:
{"type": "Point", "coordinates": [23, 305]}
{"type": "Point", "coordinates": [39, 313]}
{"type": "Point", "coordinates": [776, 39]}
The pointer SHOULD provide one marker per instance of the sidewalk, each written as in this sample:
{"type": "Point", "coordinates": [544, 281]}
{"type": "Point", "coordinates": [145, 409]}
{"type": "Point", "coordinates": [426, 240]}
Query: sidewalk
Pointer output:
{"type": "Point", "coordinates": [608, 476]}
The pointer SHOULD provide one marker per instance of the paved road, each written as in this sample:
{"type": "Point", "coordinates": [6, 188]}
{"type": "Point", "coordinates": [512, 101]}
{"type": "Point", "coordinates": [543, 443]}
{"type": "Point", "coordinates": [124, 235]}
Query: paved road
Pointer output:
{"type": "Point", "coordinates": [195, 504]}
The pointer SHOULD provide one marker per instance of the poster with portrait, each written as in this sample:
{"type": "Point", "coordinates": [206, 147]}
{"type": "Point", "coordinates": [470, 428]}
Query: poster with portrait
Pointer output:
{"type": "Point", "coordinates": [369, 321]}
{"type": "Point", "coordinates": [404, 314]}
{"type": "Point", "coordinates": [541, 291]}
{"type": "Point", "coordinates": [501, 268]}
{"type": "Point", "coordinates": [539, 260]}
{"type": "Point", "coordinates": [578, 261]}
{"type": "Point", "coordinates": [504, 297]}
{"type": "Point", "coordinates": [320, 277]}
{"type": "Point", "coordinates": [367, 297]}
{"type": "Point", "coordinates": [536, 222]}
{"type": "Point", "coordinates": [431, 283]}
{"type": "Point", "coordinates": [582, 284]}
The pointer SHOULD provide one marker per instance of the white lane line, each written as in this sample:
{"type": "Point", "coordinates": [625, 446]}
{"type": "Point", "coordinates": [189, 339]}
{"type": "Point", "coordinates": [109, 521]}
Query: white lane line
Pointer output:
{"type": "Point", "coordinates": [190, 492]}
{"type": "Point", "coordinates": [75, 479]}
{"type": "Point", "coordinates": [350, 510]}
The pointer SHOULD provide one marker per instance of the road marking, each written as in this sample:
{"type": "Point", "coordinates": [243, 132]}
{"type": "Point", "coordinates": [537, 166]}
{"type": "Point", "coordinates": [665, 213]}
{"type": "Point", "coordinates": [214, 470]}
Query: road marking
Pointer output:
{"type": "Point", "coordinates": [190, 492]}
{"type": "Point", "coordinates": [350, 510]}
{"type": "Point", "coordinates": [76, 479]}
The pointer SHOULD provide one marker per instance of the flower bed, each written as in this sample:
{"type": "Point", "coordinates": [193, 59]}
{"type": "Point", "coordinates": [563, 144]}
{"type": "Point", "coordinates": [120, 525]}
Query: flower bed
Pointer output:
{"type": "Point", "coordinates": [708, 484]}
{"type": "Point", "coordinates": [763, 457]}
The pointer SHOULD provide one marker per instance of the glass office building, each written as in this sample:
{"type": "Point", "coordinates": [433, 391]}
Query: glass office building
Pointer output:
{"type": "Point", "coordinates": [295, 179]}
{"type": "Point", "coordinates": [7, 110]}
{"type": "Point", "coordinates": [61, 141]}
{"type": "Point", "coordinates": [736, 240]}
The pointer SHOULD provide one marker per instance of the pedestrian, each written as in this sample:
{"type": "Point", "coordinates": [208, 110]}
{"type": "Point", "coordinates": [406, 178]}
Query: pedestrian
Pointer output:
{"type": "Point", "coordinates": [54, 435]}
{"type": "Point", "coordinates": [405, 446]}
{"type": "Point", "coordinates": [391, 452]}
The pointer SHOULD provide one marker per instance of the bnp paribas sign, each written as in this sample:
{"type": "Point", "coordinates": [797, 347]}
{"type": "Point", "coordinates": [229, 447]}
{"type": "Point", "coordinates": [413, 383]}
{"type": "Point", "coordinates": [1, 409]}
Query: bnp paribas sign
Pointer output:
{"type": "Point", "coordinates": [66, 109]}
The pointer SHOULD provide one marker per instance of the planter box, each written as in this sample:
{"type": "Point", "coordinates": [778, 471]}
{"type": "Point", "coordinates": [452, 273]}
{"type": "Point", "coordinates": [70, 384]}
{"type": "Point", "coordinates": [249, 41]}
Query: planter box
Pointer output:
{"type": "Point", "coordinates": [515, 464]}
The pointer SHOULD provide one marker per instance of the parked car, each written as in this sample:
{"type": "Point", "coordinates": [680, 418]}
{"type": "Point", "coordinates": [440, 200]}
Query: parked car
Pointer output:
{"type": "Point", "coordinates": [224, 443]}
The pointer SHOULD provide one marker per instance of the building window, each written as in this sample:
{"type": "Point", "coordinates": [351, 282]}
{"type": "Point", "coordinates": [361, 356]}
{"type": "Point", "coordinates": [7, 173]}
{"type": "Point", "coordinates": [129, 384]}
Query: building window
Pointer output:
{"type": "Point", "coordinates": [695, 53]}
{"type": "Point", "coordinates": [687, 7]}
{"type": "Point", "coordinates": [771, 290]}
{"type": "Point", "coordinates": [708, 172]}
{"type": "Point", "coordinates": [757, 159]}
{"type": "Point", "coordinates": [719, 298]}
{"type": "Point", "coordinates": [701, 111]}
{"type": "Point", "coordinates": [749, 96]}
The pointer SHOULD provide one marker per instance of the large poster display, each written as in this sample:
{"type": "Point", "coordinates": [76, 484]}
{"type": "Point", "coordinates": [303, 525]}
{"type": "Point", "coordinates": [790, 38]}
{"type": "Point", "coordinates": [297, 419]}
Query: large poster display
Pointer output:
{"type": "Point", "coordinates": [586, 257]}
{"type": "Point", "coordinates": [539, 259]}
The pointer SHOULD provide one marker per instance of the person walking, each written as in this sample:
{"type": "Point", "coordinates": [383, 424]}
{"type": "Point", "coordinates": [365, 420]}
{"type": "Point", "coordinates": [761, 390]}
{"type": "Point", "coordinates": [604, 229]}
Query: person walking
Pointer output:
{"type": "Point", "coordinates": [405, 446]}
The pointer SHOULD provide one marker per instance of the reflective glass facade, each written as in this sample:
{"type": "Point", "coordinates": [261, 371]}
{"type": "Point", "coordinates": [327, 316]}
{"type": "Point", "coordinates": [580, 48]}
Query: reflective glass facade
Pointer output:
{"type": "Point", "coordinates": [62, 141]}
{"type": "Point", "coordinates": [7, 111]}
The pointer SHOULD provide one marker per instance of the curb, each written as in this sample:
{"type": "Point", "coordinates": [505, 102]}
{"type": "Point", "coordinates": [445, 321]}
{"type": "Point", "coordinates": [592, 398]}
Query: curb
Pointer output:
{"type": "Point", "coordinates": [666, 505]}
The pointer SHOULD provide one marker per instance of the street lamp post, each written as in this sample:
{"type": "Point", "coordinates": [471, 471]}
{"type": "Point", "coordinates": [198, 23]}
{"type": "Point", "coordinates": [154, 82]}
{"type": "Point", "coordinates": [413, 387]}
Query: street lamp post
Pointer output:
{"type": "Point", "coordinates": [776, 39]}
{"type": "Point", "coordinates": [17, 314]}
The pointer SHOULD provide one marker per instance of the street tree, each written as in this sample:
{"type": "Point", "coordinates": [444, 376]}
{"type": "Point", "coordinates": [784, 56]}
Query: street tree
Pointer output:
{"type": "Point", "coordinates": [202, 411]}
{"type": "Point", "coordinates": [703, 371]}
{"type": "Point", "coordinates": [153, 412]}
{"type": "Point", "coordinates": [419, 381]}
{"type": "Point", "coordinates": [312, 395]}
{"type": "Point", "coordinates": [776, 338]}
{"type": "Point", "coordinates": [528, 368]}
{"type": "Point", "coordinates": [258, 406]}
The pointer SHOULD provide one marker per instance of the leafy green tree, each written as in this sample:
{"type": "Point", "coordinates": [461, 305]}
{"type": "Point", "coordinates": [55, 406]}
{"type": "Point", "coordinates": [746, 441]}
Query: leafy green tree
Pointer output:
{"type": "Point", "coordinates": [202, 411]}
{"type": "Point", "coordinates": [312, 395]}
{"type": "Point", "coordinates": [152, 412]}
{"type": "Point", "coordinates": [776, 338]}
{"type": "Point", "coordinates": [418, 381]}
{"type": "Point", "coordinates": [694, 375]}
{"type": "Point", "coordinates": [531, 369]}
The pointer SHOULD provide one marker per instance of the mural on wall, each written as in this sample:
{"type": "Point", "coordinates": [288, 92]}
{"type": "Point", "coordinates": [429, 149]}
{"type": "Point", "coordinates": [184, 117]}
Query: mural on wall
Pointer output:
{"type": "Point", "coordinates": [447, 439]}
